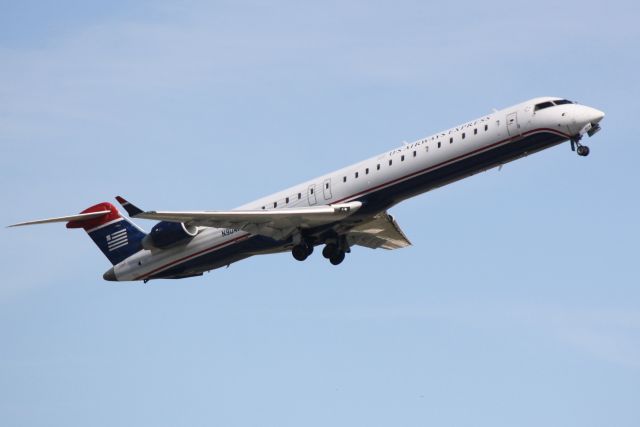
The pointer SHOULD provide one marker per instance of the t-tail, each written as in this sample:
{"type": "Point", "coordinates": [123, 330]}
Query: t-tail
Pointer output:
{"type": "Point", "coordinates": [117, 237]}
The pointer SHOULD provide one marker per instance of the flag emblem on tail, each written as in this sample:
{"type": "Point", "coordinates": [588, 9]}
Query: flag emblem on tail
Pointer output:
{"type": "Point", "coordinates": [117, 240]}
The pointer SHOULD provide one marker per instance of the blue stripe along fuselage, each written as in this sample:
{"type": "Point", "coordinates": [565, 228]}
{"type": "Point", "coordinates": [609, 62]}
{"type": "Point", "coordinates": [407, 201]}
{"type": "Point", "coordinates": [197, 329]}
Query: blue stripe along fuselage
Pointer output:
{"type": "Point", "coordinates": [377, 199]}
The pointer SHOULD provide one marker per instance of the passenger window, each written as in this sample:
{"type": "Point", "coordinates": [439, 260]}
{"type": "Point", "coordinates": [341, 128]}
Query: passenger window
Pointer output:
{"type": "Point", "coordinates": [286, 200]}
{"type": "Point", "coordinates": [486, 127]}
{"type": "Point", "coordinates": [263, 207]}
{"type": "Point", "coordinates": [402, 158]}
{"type": "Point", "coordinates": [344, 179]}
{"type": "Point", "coordinates": [439, 144]}
{"type": "Point", "coordinates": [450, 140]}
{"type": "Point", "coordinates": [275, 204]}
{"type": "Point", "coordinates": [366, 171]}
{"type": "Point", "coordinates": [299, 196]}
{"type": "Point", "coordinates": [378, 166]}
{"type": "Point", "coordinates": [463, 135]}
{"type": "Point", "coordinates": [356, 174]}
{"type": "Point", "coordinates": [326, 185]}
{"type": "Point", "coordinates": [415, 153]}
{"type": "Point", "coordinates": [390, 162]}
{"type": "Point", "coordinates": [475, 131]}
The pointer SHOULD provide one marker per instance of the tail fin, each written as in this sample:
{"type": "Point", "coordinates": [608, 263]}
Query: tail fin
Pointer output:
{"type": "Point", "coordinates": [117, 237]}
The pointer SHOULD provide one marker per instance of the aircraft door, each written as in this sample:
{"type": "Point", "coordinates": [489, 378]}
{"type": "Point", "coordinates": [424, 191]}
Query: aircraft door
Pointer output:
{"type": "Point", "coordinates": [512, 124]}
{"type": "Point", "coordinates": [326, 188]}
{"type": "Point", "coordinates": [311, 195]}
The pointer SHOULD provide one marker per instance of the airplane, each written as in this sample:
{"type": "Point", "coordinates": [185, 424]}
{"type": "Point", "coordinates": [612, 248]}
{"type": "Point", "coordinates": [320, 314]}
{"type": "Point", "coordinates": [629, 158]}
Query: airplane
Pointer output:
{"type": "Point", "coordinates": [340, 210]}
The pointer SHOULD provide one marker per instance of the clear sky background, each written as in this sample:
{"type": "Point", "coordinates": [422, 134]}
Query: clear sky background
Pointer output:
{"type": "Point", "coordinates": [519, 303]}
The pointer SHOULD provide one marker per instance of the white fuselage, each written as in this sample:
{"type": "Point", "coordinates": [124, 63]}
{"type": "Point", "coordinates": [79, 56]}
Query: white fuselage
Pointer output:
{"type": "Point", "coordinates": [384, 180]}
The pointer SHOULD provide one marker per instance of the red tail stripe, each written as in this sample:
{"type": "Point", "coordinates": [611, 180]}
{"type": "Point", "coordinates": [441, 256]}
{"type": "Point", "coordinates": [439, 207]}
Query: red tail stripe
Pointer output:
{"type": "Point", "coordinates": [88, 224]}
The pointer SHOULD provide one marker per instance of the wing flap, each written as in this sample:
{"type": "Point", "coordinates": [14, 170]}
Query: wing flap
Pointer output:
{"type": "Point", "coordinates": [381, 232]}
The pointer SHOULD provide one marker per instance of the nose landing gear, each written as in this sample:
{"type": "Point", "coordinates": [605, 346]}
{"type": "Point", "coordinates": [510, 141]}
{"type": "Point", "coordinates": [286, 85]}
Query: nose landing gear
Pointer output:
{"type": "Point", "coordinates": [582, 150]}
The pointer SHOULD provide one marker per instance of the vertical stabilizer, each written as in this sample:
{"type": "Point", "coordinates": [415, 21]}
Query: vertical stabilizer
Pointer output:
{"type": "Point", "coordinates": [117, 237]}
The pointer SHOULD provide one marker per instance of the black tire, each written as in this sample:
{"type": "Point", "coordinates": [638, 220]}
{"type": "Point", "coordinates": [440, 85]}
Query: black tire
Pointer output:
{"type": "Point", "coordinates": [329, 251]}
{"type": "Point", "coordinates": [583, 151]}
{"type": "Point", "coordinates": [337, 258]}
{"type": "Point", "coordinates": [300, 252]}
{"type": "Point", "coordinates": [309, 249]}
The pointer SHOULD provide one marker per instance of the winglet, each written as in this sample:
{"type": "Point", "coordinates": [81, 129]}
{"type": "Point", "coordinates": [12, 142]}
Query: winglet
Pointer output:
{"type": "Point", "coordinates": [132, 210]}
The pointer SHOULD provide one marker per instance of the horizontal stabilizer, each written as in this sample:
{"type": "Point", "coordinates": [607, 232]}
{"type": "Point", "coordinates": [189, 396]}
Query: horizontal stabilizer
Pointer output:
{"type": "Point", "coordinates": [117, 237]}
{"type": "Point", "coordinates": [77, 217]}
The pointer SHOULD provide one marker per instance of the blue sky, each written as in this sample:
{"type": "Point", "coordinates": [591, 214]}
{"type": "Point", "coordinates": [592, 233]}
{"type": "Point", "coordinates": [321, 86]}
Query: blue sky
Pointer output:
{"type": "Point", "coordinates": [517, 305]}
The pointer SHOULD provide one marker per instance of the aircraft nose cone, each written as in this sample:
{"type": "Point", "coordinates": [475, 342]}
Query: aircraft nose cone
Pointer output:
{"type": "Point", "coordinates": [110, 275]}
{"type": "Point", "coordinates": [596, 115]}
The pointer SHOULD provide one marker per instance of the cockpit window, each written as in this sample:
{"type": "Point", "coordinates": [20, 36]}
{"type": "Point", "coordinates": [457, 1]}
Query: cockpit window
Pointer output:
{"type": "Point", "coordinates": [548, 104]}
{"type": "Point", "coordinates": [543, 105]}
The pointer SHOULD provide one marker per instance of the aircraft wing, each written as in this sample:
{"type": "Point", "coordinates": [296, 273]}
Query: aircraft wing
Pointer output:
{"type": "Point", "coordinates": [381, 232]}
{"type": "Point", "coordinates": [275, 223]}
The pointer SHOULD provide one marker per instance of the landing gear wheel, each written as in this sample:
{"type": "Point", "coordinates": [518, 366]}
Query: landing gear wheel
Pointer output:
{"type": "Point", "coordinates": [329, 251]}
{"type": "Point", "coordinates": [583, 150]}
{"type": "Point", "coordinates": [301, 252]}
{"type": "Point", "coordinates": [337, 258]}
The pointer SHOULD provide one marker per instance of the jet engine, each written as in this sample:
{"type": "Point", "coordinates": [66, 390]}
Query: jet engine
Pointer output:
{"type": "Point", "coordinates": [166, 234]}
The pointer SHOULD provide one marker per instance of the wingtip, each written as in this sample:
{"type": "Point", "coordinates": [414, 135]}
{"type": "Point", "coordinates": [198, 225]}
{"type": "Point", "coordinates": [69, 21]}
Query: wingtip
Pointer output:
{"type": "Point", "coordinates": [19, 224]}
{"type": "Point", "coordinates": [132, 210]}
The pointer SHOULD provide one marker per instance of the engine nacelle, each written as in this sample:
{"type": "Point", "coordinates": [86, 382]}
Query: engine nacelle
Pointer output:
{"type": "Point", "coordinates": [165, 234]}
